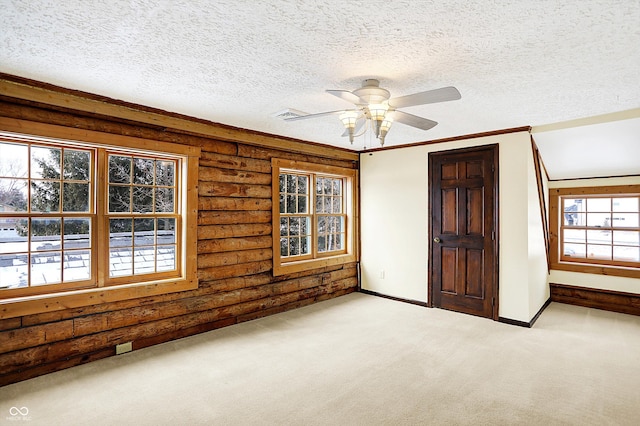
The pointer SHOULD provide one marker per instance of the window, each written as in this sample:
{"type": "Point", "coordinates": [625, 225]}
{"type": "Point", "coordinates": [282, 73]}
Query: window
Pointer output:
{"type": "Point", "coordinates": [46, 211]}
{"type": "Point", "coordinates": [142, 215]}
{"type": "Point", "coordinates": [78, 216]}
{"type": "Point", "coordinates": [597, 228]}
{"type": "Point", "coordinates": [313, 216]}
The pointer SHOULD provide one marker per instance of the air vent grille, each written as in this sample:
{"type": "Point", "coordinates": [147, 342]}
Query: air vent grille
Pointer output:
{"type": "Point", "coordinates": [289, 113]}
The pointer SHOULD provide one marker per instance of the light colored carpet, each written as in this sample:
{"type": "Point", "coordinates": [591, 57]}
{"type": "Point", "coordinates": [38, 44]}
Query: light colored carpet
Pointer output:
{"type": "Point", "coordinates": [358, 360]}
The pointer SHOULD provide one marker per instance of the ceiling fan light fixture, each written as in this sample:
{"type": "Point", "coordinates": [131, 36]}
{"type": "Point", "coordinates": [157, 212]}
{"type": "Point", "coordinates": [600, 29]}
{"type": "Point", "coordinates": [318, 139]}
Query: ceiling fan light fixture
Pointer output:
{"type": "Point", "coordinates": [377, 113]}
{"type": "Point", "coordinates": [384, 128]}
{"type": "Point", "coordinates": [349, 119]}
{"type": "Point", "coordinates": [376, 110]}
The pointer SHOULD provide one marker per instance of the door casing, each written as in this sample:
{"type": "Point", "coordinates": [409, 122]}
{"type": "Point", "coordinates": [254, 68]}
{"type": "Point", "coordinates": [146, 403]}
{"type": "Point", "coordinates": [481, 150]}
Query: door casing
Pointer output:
{"type": "Point", "coordinates": [495, 221]}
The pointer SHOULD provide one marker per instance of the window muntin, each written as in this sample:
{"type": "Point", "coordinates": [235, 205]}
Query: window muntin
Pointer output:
{"type": "Point", "coordinates": [142, 214]}
{"type": "Point", "coordinates": [46, 212]}
{"type": "Point", "coordinates": [314, 213]}
{"type": "Point", "coordinates": [49, 217]}
{"type": "Point", "coordinates": [295, 218]}
{"type": "Point", "coordinates": [330, 214]}
{"type": "Point", "coordinates": [298, 239]}
{"type": "Point", "coordinates": [601, 229]}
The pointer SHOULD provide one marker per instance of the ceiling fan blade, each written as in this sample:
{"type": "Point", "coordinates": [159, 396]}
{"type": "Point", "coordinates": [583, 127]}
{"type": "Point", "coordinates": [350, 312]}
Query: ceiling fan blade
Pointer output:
{"type": "Point", "coordinates": [361, 122]}
{"type": "Point", "coordinates": [320, 114]}
{"type": "Point", "coordinates": [413, 120]}
{"type": "Point", "coordinates": [345, 95]}
{"type": "Point", "coordinates": [429, 97]}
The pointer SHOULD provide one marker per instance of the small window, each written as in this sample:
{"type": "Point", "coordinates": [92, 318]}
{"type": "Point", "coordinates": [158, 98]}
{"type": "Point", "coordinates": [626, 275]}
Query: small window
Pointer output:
{"type": "Point", "coordinates": [597, 227]}
{"type": "Point", "coordinates": [313, 216]}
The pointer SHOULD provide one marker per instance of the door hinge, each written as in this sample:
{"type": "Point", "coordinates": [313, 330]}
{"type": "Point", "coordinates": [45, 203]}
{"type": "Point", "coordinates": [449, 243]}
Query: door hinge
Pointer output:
{"type": "Point", "coordinates": [493, 235]}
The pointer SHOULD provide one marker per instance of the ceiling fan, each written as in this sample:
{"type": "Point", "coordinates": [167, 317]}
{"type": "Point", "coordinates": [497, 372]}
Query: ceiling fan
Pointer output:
{"type": "Point", "coordinates": [374, 108]}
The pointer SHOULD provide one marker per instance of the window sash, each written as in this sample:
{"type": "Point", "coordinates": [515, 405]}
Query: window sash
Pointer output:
{"type": "Point", "coordinates": [48, 261]}
{"type": "Point", "coordinates": [141, 253]}
{"type": "Point", "coordinates": [596, 222]}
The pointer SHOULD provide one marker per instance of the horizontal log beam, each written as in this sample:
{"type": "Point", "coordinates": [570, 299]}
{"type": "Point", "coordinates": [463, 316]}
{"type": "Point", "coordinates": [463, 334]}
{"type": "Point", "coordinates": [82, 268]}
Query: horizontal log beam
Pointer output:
{"type": "Point", "coordinates": [233, 217]}
{"type": "Point", "coordinates": [210, 232]}
{"type": "Point", "coordinates": [234, 162]}
{"type": "Point", "coordinates": [262, 153]}
{"type": "Point", "coordinates": [233, 244]}
{"type": "Point", "coordinates": [235, 270]}
{"type": "Point", "coordinates": [233, 258]}
{"type": "Point", "coordinates": [37, 335]}
{"type": "Point", "coordinates": [10, 323]}
{"type": "Point", "coordinates": [225, 189]}
{"type": "Point", "coordinates": [212, 174]}
{"type": "Point", "coordinates": [205, 288]}
{"type": "Point", "coordinates": [228, 203]}
{"type": "Point", "coordinates": [103, 124]}
{"type": "Point", "coordinates": [46, 368]}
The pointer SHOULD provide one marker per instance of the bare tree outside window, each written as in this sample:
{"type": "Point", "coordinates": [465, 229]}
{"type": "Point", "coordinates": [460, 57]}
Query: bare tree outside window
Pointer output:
{"type": "Point", "coordinates": [140, 187]}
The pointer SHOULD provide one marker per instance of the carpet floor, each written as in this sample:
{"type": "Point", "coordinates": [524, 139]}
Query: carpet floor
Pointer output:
{"type": "Point", "coordinates": [358, 360]}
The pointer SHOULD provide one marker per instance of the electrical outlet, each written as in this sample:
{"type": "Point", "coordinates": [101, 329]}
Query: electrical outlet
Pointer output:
{"type": "Point", "coordinates": [124, 348]}
{"type": "Point", "coordinates": [382, 274]}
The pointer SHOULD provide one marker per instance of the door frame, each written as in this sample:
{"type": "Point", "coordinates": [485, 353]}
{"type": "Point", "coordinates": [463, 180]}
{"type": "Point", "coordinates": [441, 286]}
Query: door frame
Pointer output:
{"type": "Point", "coordinates": [496, 220]}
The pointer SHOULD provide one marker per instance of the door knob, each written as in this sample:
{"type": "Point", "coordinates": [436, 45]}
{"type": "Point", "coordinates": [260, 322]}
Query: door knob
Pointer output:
{"type": "Point", "coordinates": [436, 239]}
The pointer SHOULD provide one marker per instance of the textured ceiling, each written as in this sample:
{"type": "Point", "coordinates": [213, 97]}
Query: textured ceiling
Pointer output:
{"type": "Point", "coordinates": [516, 63]}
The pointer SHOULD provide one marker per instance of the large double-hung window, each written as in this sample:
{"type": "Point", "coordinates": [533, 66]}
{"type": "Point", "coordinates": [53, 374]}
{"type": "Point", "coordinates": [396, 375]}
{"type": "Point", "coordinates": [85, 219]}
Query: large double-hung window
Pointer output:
{"type": "Point", "coordinates": [78, 216]}
{"type": "Point", "coordinates": [313, 215]}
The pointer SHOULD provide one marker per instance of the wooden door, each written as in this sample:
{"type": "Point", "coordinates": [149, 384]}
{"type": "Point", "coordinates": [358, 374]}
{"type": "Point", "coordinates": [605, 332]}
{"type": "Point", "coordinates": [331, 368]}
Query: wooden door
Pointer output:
{"type": "Point", "coordinates": [463, 225]}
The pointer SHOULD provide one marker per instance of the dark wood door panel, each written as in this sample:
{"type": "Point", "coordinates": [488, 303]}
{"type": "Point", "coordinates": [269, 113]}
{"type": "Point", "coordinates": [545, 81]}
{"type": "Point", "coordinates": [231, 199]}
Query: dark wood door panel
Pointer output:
{"type": "Point", "coordinates": [463, 221]}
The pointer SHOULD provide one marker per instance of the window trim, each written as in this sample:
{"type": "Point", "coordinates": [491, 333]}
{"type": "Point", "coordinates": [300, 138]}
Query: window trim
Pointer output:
{"type": "Point", "coordinates": [555, 221]}
{"type": "Point", "coordinates": [281, 267]}
{"type": "Point", "coordinates": [188, 280]}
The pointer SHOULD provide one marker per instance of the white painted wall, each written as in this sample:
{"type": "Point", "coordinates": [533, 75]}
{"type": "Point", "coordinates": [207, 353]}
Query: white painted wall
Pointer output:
{"type": "Point", "coordinates": [538, 265]}
{"type": "Point", "coordinates": [393, 222]}
{"type": "Point", "coordinates": [394, 208]}
{"type": "Point", "coordinates": [601, 282]}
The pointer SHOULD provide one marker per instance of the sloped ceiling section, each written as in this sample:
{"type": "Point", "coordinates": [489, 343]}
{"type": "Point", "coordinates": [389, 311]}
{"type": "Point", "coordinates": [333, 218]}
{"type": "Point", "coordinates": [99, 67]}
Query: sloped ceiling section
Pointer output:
{"type": "Point", "coordinates": [516, 63]}
{"type": "Point", "coordinates": [591, 150]}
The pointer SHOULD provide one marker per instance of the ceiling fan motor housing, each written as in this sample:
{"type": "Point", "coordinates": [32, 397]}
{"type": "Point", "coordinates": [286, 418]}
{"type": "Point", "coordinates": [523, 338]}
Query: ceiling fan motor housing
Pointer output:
{"type": "Point", "coordinates": [371, 92]}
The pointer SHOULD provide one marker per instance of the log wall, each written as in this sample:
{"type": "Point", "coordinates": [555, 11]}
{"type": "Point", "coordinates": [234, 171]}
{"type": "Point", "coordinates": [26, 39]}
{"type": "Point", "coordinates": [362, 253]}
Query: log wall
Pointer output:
{"type": "Point", "coordinates": [234, 259]}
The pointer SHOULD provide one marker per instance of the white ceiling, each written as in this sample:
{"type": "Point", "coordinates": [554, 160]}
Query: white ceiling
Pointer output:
{"type": "Point", "coordinates": [592, 150]}
{"type": "Point", "coordinates": [516, 63]}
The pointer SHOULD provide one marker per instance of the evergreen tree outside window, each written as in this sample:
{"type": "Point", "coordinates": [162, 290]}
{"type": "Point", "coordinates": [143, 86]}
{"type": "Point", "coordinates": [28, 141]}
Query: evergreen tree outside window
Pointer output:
{"type": "Point", "coordinates": [46, 239]}
{"type": "Point", "coordinates": [81, 216]}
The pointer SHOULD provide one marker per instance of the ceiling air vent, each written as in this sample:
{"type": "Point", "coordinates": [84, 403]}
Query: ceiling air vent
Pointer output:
{"type": "Point", "coordinates": [289, 113]}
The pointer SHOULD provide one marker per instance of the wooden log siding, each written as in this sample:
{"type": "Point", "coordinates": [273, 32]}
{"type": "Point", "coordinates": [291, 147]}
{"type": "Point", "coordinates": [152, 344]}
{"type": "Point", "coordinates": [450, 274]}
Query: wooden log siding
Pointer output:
{"type": "Point", "coordinates": [234, 260]}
